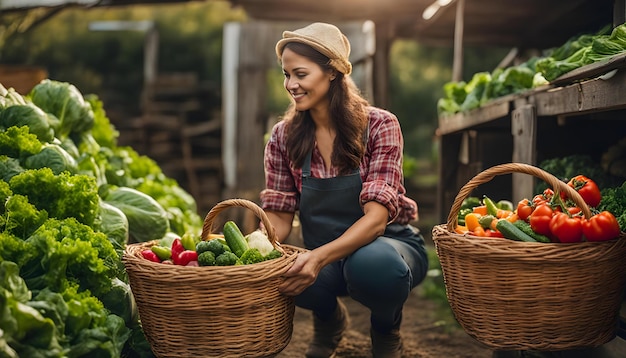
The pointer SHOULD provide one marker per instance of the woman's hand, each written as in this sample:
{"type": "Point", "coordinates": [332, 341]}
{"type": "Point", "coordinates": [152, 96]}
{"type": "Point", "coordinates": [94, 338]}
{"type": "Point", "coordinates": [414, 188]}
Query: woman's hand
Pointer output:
{"type": "Point", "coordinates": [301, 274]}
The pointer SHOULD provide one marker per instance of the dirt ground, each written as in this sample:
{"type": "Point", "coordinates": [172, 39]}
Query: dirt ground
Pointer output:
{"type": "Point", "coordinates": [425, 333]}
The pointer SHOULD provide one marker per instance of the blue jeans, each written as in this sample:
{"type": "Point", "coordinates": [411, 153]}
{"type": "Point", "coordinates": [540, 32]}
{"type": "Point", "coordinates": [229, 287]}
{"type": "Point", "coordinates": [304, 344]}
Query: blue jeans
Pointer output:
{"type": "Point", "coordinates": [379, 275]}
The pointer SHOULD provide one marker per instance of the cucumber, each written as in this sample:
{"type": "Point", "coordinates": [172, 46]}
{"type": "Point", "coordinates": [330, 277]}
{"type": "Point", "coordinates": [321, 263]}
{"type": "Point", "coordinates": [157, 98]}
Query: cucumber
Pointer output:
{"type": "Point", "coordinates": [525, 227]}
{"type": "Point", "coordinates": [511, 232]}
{"type": "Point", "coordinates": [234, 238]}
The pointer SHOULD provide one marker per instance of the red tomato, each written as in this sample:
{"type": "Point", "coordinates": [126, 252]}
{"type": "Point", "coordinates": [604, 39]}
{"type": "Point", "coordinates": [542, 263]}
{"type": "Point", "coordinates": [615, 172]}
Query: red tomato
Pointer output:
{"type": "Point", "coordinates": [574, 211]}
{"type": "Point", "coordinates": [540, 219]}
{"type": "Point", "coordinates": [524, 209]}
{"type": "Point", "coordinates": [538, 200]}
{"type": "Point", "coordinates": [548, 193]}
{"type": "Point", "coordinates": [545, 197]}
{"type": "Point", "coordinates": [566, 228]}
{"type": "Point", "coordinates": [587, 189]}
{"type": "Point", "coordinates": [601, 227]}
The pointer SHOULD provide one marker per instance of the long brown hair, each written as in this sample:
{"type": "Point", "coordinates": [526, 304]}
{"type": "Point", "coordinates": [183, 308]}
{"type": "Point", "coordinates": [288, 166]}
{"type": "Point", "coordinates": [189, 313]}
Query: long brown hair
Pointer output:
{"type": "Point", "coordinates": [348, 111]}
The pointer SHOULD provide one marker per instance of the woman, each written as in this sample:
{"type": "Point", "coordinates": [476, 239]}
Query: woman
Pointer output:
{"type": "Point", "coordinates": [338, 162]}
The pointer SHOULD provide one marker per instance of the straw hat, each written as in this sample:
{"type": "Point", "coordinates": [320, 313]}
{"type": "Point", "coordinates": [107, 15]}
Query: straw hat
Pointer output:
{"type": "Point", "coordinates": [325, 38]}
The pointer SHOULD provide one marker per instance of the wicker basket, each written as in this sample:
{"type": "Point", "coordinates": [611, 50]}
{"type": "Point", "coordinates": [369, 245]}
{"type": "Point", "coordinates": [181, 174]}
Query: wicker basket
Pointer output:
{"type": "Point", "coordinates": [214, 311]}
{"type": "Point", "coordinates": [512, 295]}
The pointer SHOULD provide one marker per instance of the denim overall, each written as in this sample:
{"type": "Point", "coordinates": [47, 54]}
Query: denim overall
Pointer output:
{"type": "Point", "coordinates": [379, 275]}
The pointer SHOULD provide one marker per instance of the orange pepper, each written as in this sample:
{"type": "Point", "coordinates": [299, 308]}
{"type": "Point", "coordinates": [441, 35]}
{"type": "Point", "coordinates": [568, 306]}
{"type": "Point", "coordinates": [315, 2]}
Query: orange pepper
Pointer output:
{"type": "Point", "coordinates": [481, 210]}
{"type": "Point", "coordinates": [479, 231]}
{"type": "Point", "coordinates": [493, 224]}
{"type": "Point", "coordinates": [501, 214]}
{"type": "Point", "coordinates": [471, 221]}
{"type": "Point", "coordinates": [512, 218]}
{"type": "Point", "coordinates": [460, 229]}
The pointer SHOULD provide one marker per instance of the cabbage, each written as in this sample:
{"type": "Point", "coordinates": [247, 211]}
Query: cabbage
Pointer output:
{"type": "Point", "coordinates": [53, 157]}
{"type": "Point", "coordinates": [9, 167]}
{"type": "Point", "coordinates": [28, 115]}
{"type": "Point", "coordinates": [147, 220]}
{"type": "Point", "coordinates": [66, 103]}
{"type": "Point", "coordinates": [113, 222]}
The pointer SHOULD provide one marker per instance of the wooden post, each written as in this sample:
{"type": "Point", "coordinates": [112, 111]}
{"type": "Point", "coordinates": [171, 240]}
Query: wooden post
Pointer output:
{"type": "Point", "coordinates": [524, 131]}
{"type": "Point", "coordinates": [151, 55]}
{"type": "Point", "coordinates": [457, 64]}
{"type": "Point", "coordinates": [381, 64]}
{"type": "Point", "coordinates": [230, 59]}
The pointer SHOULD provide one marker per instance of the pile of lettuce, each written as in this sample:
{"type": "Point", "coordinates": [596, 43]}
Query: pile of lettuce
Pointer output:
{"type": "Point", "coordinates": [70, 200]}
{"type": "Point", "coordinates": [578, 51]}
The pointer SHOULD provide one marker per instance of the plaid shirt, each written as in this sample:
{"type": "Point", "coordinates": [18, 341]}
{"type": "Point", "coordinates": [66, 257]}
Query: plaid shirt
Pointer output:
{"type": "Point", "coordinates": [380, 169]}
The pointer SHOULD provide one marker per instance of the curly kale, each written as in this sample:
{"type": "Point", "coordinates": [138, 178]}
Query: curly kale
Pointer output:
{"type": "Point", "coordinates": [62, 196]}
{"type": "Point", "coordinates": [251, 256]}
{"type": "Point", "coordinates": [614, 201]}
{"type": "Point", "coordinates": [70, 252]}
{"type": "Point", "coordinates": [567, 167]}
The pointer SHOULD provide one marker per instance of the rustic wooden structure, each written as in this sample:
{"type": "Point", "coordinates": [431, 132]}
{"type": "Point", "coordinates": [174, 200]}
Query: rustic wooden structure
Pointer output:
{"type": "Point", "coordinates": [181, 131]}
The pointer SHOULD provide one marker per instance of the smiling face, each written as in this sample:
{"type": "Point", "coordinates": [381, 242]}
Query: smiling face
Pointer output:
{"type": "Point", "coordinates": [306, 81]}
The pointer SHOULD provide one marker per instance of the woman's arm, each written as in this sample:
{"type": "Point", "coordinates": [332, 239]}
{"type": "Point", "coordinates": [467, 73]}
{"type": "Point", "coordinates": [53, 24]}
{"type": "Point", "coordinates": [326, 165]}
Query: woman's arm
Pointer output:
{"type": "Point", "coordinates": [282, 222]}
{"type": "Point", "coordinates": [371, 225]}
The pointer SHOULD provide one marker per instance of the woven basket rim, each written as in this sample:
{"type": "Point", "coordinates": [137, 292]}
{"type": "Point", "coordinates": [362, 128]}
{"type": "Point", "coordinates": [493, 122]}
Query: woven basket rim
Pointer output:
{"type": "Point", "coordinates": [132, 257]}
{"type": "Point", "coordinates": [584, 251]}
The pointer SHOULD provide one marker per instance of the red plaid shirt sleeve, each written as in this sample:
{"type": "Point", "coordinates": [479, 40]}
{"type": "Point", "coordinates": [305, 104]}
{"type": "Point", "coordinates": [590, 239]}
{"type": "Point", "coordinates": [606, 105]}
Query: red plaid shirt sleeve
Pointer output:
{"type": "Point", "coordinates": [282, 183]}
{"type": "Point", "coordinates": [381, 170]}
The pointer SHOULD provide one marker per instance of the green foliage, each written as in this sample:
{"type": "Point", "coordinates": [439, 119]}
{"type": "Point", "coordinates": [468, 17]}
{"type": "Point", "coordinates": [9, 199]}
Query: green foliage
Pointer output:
{"type": "Point", "coordinates": [110, 63]}
{"type": "Point", "coordinates": [62, 196]}
{"type": "Point", "coordinates": [569, 166]}
{"type": "Point", "coordinates": [19, 143]}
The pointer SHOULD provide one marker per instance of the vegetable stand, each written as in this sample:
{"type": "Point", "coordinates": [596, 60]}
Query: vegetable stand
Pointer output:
{"type": "Point", "coordinates": [513, 295]}
{"type": "Point", "coordinates": [580, 117]}
{"type": "Point", "coordinates": [210, 311]}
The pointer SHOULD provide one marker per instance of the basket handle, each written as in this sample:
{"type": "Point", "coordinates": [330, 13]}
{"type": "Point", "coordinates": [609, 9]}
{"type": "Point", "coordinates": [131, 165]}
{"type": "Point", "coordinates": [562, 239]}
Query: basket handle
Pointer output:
{"type": "Point", "coordinates": [207, 228]}
{"type": "Point", "coordinates": [487, 175]}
